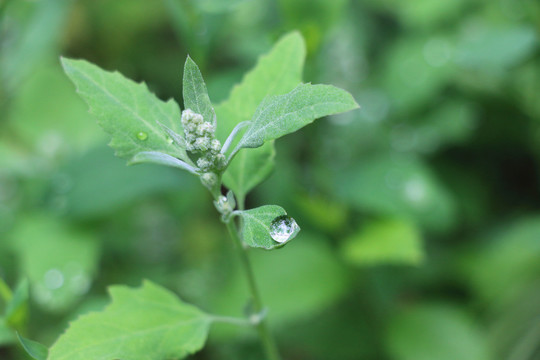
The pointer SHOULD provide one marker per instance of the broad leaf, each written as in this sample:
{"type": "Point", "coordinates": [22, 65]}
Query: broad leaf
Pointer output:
{"type": "Point", "coordinates": [385, 242]}
{"type": "Point", "coordinates": [313, 276]}
{"type": "Point", "coordinates": [146, 323]}
{"type": "Point", "coordinates": [128, 111]}
{"type": "Point", "coordinates": [283, 114]}
{"type": "Point", "coordinates": [248, 169]}
{"type": "Point", "coordinates": [58, 260]}
{"type": "Point", "coordinates": [396, 186]}
{"type": "Point", "coordinates": [436, 331]}
{"type": "Point", "coordinates": [267, 227]}
{"type": "Point", "coordinates": [195, 93]}
{"type": "Point", "coordinates": [277, 72]}
{"type": "Point", "coordinates": [34, 349]}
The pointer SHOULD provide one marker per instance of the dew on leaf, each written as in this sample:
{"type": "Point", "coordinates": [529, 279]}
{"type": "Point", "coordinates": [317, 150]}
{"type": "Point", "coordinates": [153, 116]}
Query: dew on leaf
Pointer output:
{"type": "Point", "coordinates": [283, 228]}
{"type": "Point", "coordinates": [142, 135]}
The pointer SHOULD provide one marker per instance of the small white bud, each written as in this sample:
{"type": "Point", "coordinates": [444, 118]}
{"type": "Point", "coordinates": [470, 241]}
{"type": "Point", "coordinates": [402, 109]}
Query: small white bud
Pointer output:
{"type": "Point", "coordinates": [221, 161]}
{"type": "Point", "coordinates": [202, 144]}
{"type": "Point", "coordinates": [209, 179]}
{"type": "Point", "coordinates": [204, 164]}
{"type": "Point", "coordinates": [215, 145]}
{"type": "Point", "coordinates": [190, 120]}
{"type": "Point", "coordinates": [206, 129]}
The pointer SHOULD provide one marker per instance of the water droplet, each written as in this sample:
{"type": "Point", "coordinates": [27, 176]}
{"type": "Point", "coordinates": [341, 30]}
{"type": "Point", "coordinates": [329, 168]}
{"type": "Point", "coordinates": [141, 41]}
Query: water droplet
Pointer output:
{"type": "Point", "coordinates": [169, 140]}
{"type": "Point", "coordinates": [142, 135]}
{"type": "Point", "coordinates": [53, 279]}
{"type": "Point", "coordinates": [283, 228]}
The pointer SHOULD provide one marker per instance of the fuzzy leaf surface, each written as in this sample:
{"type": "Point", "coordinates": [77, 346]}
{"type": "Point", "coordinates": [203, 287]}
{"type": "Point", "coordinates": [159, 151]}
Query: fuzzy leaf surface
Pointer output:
{"type": "Point", "coordinates": [146, 323]}
{"type": "Point", "coordinates": [284, 114]}
{"type": "Point", "coordinates": [276, 72]}
{"type": "Point", "coordinates": [195, 94]}
{"type": "Point", "coordinates": [126, 110]}
{"type": "Point", "coordinates": [257, 226]}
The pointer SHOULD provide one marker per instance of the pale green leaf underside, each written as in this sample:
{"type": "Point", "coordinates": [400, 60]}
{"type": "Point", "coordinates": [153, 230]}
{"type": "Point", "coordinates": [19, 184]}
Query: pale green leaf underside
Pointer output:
{"type": "Point", "coordinates": [146, 323]}
{"type": "Point", "coordinates": [283, 114]}
{"type": "Point", "coordinates": [155, 157]}
{"type": "Point", "coordinates": [195, 93]}
{"type": "Point", "coordinates": [277, 72]}
{"type": "Point", "coordinates": [128, 111]}
{"type": "Point", "coordinates": [256, 226]}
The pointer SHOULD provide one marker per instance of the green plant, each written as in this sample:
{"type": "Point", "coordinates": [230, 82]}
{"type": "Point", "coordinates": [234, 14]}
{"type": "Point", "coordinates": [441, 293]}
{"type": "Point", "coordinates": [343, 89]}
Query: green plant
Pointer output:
{"type": "Point", "coordinates": [230, 145]}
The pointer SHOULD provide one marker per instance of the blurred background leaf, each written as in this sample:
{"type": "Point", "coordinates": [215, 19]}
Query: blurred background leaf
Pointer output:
{"type": "Point", "coordinates": [419, 211]}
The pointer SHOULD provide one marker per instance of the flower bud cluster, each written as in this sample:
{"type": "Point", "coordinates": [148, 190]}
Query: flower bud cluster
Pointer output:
{"type": "Point", "coordinates": [200, 138]}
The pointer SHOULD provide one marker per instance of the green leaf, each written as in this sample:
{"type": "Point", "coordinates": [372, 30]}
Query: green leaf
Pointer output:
{"type": "Point", "coordinates": [156, 157]}
{"type": "Point", "coordinates": [249, 169]}
{"type": "Point", "coordinates": [277, 72]}
{"type": "Point", "coordinates": [33, 348]}
{"type": "Point", "coordinates": [58, 260]}
{"type": "Point", "coordinates": [396, 186]}
{"type": "Point", "coordinates": [195, 93]}
{"type": "Point", "coordinates": [17, 307]}
{"type": "Point", "coordinates": [283, 114]}
{"type": "Point", "coordinates": [435, 331]}
{"type": "Point", "coordinates": [7, 335]}
{"type": "Point", "coordinates": [267, 227]}
{"type": "Point", "coordinates": [385, 242]}
{"type": "Point", "coordinates": [297, 283]}
{"type": "Point", "coordinates": [146, 323]}
{"type": "Point", "coordinates": [514, 251]}
{"type": "Point", "coordinates": [5, 292]}
{"type": "Point", "coordinates": [101, 193]}
{"type": "Point", "coordinates": [482, 51]}
{"type": "Point", "coordinates": [128, 111]}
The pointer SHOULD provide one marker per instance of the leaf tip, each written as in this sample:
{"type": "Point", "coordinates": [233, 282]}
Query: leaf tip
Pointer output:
{"type": "Point", "coordinates": [36, 350]}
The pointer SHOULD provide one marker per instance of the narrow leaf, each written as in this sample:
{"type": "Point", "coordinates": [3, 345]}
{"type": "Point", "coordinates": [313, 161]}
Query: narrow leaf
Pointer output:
{"type": "Point", "coordinates": [155, 157]}
{"type": "Point", "coordinates": [284, 114]}
{"type": "Point", "coordinates": [267, 227]}
{"type": "Point", "coordinates": [128, 111]}
{"type": "Point", "coordinates": [33, 348]}
{"type": "Point", "coordinates": [195, 93]}
{"type": "Point", "coordinates": [146, 323]}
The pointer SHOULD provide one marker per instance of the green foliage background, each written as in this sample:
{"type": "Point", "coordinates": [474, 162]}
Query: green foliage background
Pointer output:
{"type": "Point", "coordinates": [420, 212]}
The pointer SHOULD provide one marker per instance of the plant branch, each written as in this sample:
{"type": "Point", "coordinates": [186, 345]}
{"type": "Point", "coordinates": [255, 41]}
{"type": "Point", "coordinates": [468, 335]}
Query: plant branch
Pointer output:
{"type": "Point", "coordinates": [268, 342]}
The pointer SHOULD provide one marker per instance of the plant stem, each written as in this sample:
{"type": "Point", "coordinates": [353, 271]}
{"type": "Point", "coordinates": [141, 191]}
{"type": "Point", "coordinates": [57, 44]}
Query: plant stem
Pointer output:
{"type": "Point", "coordinates": [267, 340]}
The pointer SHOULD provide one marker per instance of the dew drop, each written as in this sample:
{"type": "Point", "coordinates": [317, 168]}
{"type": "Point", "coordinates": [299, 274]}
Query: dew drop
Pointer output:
{"type": "Point", "coordinates": [283, 228]}
{"type": "Point", "coordinates": [169, 140]}
{"type": "Point", "coordinates": [142, 135]}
